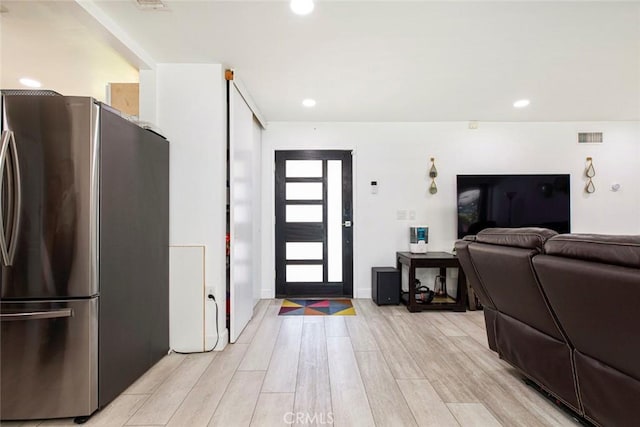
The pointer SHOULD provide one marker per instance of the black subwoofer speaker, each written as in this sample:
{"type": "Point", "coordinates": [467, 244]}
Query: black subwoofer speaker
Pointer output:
{"type": "Point", "coordinates": [385, 285]}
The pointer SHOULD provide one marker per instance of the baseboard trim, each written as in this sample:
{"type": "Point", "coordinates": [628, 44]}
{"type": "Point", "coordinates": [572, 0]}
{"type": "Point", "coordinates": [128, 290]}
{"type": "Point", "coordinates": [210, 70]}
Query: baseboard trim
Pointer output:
{"type": "Point", "coordinates": [363, 293]}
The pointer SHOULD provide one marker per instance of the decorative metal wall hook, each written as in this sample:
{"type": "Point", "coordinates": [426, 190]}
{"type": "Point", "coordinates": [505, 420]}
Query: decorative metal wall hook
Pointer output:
{"type": "Point", "coordinates": [433, 173]}
{"type": "Point", "coordinates": [590, 172]}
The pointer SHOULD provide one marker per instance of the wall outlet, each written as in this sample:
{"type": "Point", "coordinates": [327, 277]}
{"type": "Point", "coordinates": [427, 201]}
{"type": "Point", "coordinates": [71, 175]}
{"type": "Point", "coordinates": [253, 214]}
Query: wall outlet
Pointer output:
{"type": "Point", "coordinates": [401, 214]}
{"type": "Point", "coordinates": [208, 291]}
{"type": "Point", "coordinates": [412, 214]}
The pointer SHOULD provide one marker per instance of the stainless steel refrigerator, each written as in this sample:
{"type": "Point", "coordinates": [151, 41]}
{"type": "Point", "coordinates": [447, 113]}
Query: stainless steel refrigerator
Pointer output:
{"type": "Point", "coordinates": [84, 254]}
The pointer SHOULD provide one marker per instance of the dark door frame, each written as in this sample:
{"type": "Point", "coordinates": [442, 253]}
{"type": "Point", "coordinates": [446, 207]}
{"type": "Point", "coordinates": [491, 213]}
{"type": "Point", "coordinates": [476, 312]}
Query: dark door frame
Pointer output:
{"type": "Point", "coordinates": [313, 231]}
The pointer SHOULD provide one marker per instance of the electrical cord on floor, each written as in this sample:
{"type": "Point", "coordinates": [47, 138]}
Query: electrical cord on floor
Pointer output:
{"type": "Point", "coordinates": [210, 296]}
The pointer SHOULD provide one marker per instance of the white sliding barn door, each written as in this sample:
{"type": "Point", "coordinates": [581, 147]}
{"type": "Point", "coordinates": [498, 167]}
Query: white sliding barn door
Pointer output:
{"type": "Point", "coordinates": [244, 200]}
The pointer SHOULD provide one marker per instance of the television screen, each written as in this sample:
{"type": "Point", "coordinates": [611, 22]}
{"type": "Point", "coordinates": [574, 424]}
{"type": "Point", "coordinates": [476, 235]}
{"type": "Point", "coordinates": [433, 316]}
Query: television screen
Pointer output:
{"type": "Point", "coordinates": [486, 201]}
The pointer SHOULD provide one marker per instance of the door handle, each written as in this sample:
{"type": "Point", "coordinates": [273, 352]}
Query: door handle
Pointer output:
{"type": "Point", "coordinates": [4, 144]}
{"type": "Point", "coordinates": [346, 224]}
{"type": "Point", "coordinates": [17, 206]}
{"type": "Point", "coordinates": [36, 315]}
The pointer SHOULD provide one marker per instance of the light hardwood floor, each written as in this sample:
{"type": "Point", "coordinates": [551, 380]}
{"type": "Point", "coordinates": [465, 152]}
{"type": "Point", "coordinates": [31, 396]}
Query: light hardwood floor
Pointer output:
{"type": "Point", "coordinates": [383, 367]}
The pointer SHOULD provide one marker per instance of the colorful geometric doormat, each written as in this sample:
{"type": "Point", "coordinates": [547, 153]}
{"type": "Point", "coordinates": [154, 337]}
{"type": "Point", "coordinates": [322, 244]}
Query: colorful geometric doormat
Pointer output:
{"type": "Point", "coordinates": [317, 307]}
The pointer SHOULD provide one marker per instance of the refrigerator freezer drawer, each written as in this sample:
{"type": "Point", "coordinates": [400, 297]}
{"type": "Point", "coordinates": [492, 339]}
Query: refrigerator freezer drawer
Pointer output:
{"type": "Point", "coordinates": [48, 359]}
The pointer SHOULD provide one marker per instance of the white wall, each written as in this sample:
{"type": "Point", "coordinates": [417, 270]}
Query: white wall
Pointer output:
{"type": "Point", "coordinates": [396, 155]}
{"type": "Point", "coordinates": [187, 102]}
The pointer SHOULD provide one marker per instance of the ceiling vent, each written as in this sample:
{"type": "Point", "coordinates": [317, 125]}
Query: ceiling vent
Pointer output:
{"type": "Point", "coordinates": [589, 137]}
{"type": "Point", "coordinates": [151, 4]}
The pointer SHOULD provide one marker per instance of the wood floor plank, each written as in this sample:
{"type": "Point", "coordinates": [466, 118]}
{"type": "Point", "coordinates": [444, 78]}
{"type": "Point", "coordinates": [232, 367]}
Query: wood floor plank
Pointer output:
{"type": "Point", "coordinates": [444, 364]}
{"type": "Point", "coordinates": [468, 326]}
{"type": "Point", "coordinates": [198, 407]}
{"type": "Point", "coordinates": [274, 410]}
{"type": "Point", "coordinates": [20, 423]}
{"type": "Point", "coordinates": [162, 404]}
{"type": "Point", "coordinates": [503, 404]}
{"type": "Point", "coordinates": [335, 326]}
{"type": "Point", "coordinates": [348, 397]}
{"type": "Point", "coordinates": [426, 405]}
{"type": "Point", "coordinates": [393, 348]}
{"type": "Point", "coordinates": [151, 380]}
{"type": "Point", "coordinates": [361, 337]}
{"type": "Point", "coordinates": [473, 415]}
{"type": "Point", "coordinates": [33, 423]}
{"type": "Point", "coordinates": [118, 412]}
{"type": "Point", "coordinates": [261, 348]}
{"type": "Point", "coordinates": [365, 307]}
{"type": "Point", "coordinates": [60, 422]}
{"type": "Point", "coordinates": [449, 375]}
{"type": "Point", "coordinates": [283, 368]}
{"type": "Point", "coordinates": [313, 389]}
{"type": "Point", "coordinates": [447, 325]}
{"type": "Point", "coordinates": [252, 327]}
{"type": "Point", "coordinates": [541, 408]}
{"type": "Point", "coordinates": [478, 318]}
{"type": "Point", "coordinates": [387, 403]}
{"type": "Point", "coordinates": [423, 336]}
{"type": "Point", "coordinates": [239, 401]}
{"type": "Point", "coordinates": [485, 358]}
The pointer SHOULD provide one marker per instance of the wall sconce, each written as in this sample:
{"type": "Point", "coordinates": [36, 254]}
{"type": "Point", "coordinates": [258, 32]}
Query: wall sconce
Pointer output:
{"type": "Point", "coordinates": [590, 172]}
{"type": "Point", "coordinates": [433, 173]}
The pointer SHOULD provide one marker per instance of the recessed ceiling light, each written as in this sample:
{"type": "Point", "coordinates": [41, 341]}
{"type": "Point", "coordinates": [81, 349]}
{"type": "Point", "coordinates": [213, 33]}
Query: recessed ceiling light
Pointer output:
{"type": "Point", "coordinates": [521, 103]}
{"type": "Point", "coordinates": [301, 7]}
{"type": "Point", "coordinates": [309, 102]}
{"type": "Point", "coordinates": [26, 81]}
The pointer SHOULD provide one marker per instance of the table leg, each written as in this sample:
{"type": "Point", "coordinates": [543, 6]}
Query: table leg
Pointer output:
{"type": "Point", "coordinates": [462, 291]}
{"type": "Point", "coordinates": [412, 306]}
{"type": "Point", "coordinates": [443, 281]}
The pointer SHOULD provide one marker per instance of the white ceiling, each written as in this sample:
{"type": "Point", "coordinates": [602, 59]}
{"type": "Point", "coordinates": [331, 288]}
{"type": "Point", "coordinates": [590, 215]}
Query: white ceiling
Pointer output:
{"type": "Point", "coordinates": [60, 45]}
{"type": "Point", "coordinates": [389, 60]}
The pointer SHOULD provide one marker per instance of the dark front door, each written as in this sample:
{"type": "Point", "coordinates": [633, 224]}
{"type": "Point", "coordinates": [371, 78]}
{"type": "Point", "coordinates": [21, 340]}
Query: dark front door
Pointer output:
{"type": "Point", "coordinates": [314, 230]}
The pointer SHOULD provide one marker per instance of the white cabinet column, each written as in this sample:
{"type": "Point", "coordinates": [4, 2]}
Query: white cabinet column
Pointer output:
{"type": "Point", "coordinates": [187, 103]}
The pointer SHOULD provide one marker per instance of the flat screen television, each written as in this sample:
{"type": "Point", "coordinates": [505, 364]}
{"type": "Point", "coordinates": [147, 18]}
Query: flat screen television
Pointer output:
{"type": "Point", "coordinates": [486, 201]}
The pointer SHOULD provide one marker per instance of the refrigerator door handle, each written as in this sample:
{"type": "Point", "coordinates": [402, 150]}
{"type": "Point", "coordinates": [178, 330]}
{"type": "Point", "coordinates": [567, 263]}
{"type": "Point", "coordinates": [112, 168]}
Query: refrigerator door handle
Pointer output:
{"type": "Point", "coordinates": [4, 145]}
{"type": "Point", "coordinates": [35, 315]}
{"type": "Point", "coordinates": [17, 206]}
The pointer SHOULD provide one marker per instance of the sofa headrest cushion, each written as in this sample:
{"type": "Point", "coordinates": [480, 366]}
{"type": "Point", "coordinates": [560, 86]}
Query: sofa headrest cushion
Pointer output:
{"type": "Point", "coordinates": [608, 249]}
{"type": "Point", "coordinates": [527, 238]}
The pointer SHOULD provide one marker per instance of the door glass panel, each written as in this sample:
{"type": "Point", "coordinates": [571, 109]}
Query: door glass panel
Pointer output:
{"type": "Point", "coordinates": [303, 168]}
{"type": "Point", "coordinates": [334, 220]}
{"type": "Point", "coordinates": [304, 250]}
{"type": "Point", "coordinates": [304, 213]}
{"type": "Point", "coordinates": [304, 273]}
{"type": "Point", "coordinates": [304, 190]}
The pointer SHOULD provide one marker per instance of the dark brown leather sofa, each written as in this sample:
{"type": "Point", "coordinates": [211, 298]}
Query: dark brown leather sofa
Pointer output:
{"type": "Point", "coordinates": [564, 310]}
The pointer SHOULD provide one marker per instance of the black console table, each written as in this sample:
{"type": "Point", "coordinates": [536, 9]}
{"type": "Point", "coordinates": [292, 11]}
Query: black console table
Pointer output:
{"type": "Point", "coordinates": [441, 260]}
